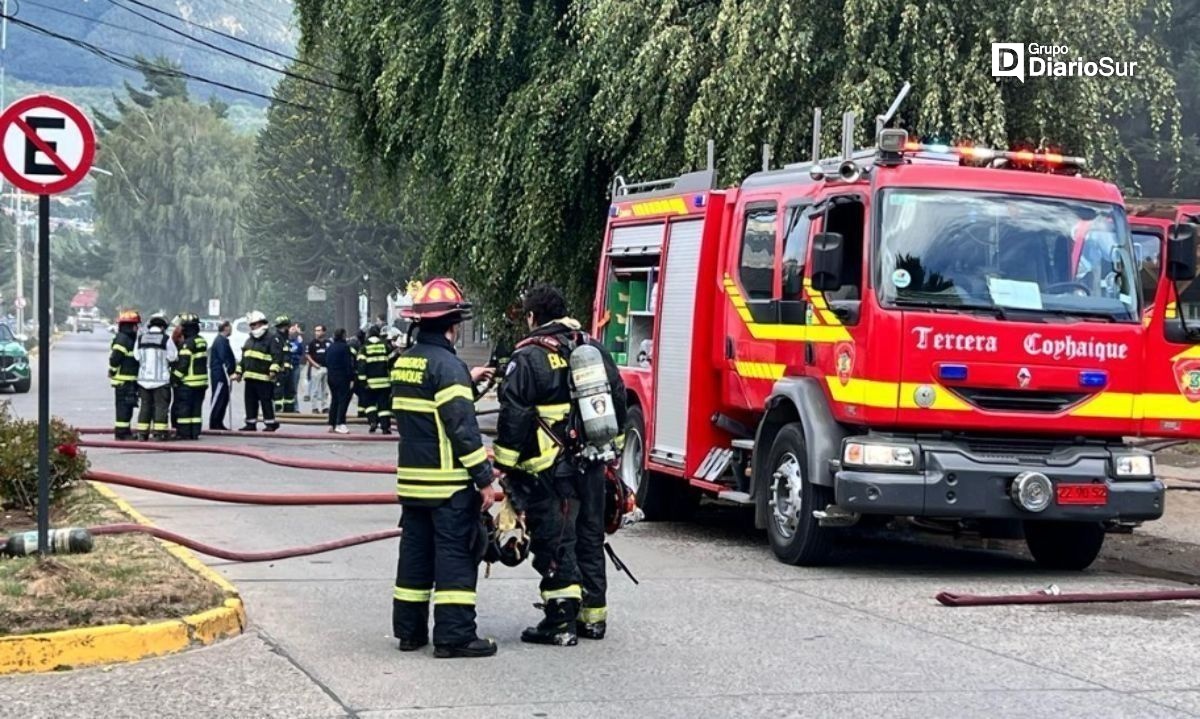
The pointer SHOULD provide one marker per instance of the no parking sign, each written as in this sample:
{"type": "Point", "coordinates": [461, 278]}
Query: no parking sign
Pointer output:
{"type": "Point", "coordinates": [46, 146]}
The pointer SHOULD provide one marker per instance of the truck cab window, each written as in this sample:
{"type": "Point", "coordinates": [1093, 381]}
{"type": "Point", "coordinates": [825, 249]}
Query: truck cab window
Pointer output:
{"type": "Point", "coordinates": [756, 268]}
{"type": "Point", "coordinates": [1147, 247]}
{"type": "Point", "coordinates": [847, 219]}
{"type": "Point", "coordinates": [795, 251]}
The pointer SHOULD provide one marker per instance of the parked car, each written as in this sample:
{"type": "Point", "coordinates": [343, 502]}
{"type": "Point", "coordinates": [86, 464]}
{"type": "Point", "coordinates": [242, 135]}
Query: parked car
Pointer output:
{"type": "Point", "coordinates": [237, 338]}
{"type": "Point", "coordinates": [15, 370]}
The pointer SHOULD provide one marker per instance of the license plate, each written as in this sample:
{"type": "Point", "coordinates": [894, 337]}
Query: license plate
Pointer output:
{"type": "Point", "coordinates": [1093, 494]}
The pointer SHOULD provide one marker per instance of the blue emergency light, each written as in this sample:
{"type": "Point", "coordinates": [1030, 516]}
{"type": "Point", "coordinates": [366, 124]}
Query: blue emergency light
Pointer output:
{"type": "Point", "coordinates": [698, 200]}
{"type": "Point", "coordinates": [952, 372]}
{"type": "Point", "coordinates": [1093, 378]}
{"type": "Point", "coordinates": [612, 210]}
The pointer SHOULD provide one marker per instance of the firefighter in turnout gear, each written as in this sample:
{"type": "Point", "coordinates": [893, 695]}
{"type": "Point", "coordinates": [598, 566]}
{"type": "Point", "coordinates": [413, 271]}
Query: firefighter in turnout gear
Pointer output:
{"type": "Point", "coordinates": [285, 383]}
{"type": "Point", "coordinates": [155, 354]}
{"type": "Point", "coordinates": [191, 378]}
{"type": "Point", "coordinates": [372, 372]}
{"type": "Point", "coordinates": [123, 371]}
{"type": "Point", "coordinates": [443, 480]}
{"type": "Point", "coordinates": [261, 362]}
{"type": "Point", "coordinates": [561, 492]}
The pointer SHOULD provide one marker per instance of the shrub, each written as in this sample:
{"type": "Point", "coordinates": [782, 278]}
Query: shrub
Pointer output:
{"type": "Point", "coordinates": [19, 459]}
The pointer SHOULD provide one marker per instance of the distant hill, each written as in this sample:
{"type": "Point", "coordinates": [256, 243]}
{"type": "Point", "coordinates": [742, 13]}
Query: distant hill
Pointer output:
{"type": "Point", "coordinates": [37, 62]}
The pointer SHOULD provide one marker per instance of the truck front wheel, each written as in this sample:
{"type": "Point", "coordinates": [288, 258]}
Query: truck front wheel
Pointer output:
{"type": "Point", "coordinates": [795, 534]}
{"type": "Point", "coordinates": [1064, 545]}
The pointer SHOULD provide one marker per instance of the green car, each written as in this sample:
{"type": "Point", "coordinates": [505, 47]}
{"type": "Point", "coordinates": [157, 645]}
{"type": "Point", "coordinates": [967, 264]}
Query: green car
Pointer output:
{"type": "Point", "coordinates": [15, 370]}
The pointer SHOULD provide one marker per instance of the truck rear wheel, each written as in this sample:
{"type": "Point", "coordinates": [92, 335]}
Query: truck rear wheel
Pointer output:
{"type": "Point", "coordinates": [1064, 545]}
{"type": "Point", "coordinates": [795, 534]}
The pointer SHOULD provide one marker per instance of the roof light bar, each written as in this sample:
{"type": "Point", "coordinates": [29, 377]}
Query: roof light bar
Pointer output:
{"type": "Point", "coordinates": [987, 154]}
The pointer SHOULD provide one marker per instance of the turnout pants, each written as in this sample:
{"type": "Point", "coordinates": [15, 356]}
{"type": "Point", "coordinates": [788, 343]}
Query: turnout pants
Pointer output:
{"type": "Point", "coordinates": [440, 552]}
{"type": "Point", "coordinates": [218, 405]}
{"type": "Point", "coordinates": [155, 413]}
{"type": "Point", "coordinates": [189, 410]}
{"type": "Point", "coordinates": [379, 407]}
{"type": "Point", "coordinates": [565, 516]}
{"type": "Point", "coordinates": [260, 393]}
{"type": "Point", "coordinates": [285, 391]}
{"type": "Point", "coordinates": [126, 399]}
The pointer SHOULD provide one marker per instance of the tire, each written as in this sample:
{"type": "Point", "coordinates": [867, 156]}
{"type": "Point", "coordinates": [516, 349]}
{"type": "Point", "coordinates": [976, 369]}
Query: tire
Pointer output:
{"type": "Point", "coordinates": [656, 494]}
{"type": "Point", "coordinates": [22, 386]}
{"type": "Point", "coordinates": [795, 535]}
{"type": "Point", "coordinates": [1064, 545]}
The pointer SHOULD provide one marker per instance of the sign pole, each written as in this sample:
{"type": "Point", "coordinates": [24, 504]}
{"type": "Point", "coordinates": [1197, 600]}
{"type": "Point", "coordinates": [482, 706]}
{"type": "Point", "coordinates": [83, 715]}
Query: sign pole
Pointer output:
{"type": "Point", "coordinates": [43, 515]}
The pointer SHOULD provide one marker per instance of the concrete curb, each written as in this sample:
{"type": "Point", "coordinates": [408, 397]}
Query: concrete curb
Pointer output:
{"type": "Point", "coordinates": [115, 643]}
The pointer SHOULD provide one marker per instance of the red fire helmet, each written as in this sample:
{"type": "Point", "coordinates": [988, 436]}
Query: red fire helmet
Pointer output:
{"type": "Point", "coordinates": [439, 297]}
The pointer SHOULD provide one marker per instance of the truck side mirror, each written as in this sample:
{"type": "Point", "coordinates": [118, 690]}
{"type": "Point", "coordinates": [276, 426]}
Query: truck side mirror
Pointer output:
{"type": "Point", "coordinates": [827, 261]}
{"type": "Point", "coordinates": [1181, 253]}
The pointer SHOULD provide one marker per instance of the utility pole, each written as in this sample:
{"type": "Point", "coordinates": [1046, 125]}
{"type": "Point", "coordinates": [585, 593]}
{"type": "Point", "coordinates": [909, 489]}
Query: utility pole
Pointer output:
{"type": "Point", "coordinates": [19, 294]}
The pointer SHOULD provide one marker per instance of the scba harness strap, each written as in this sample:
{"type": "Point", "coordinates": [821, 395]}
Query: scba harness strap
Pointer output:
{"type": "Point", "coordinates": [563, 349]}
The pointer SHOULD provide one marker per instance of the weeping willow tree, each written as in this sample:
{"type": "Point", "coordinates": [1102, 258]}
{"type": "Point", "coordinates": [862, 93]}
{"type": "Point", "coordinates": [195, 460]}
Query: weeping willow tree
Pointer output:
{"type": "Point", "coordinates": [505, 120]}
{"type": "Point", "coordinates": [170, 209]}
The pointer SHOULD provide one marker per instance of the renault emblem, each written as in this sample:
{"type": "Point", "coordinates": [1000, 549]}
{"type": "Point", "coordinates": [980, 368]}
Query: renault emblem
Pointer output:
{"type": "Point", "coordinates": [1023, 377]}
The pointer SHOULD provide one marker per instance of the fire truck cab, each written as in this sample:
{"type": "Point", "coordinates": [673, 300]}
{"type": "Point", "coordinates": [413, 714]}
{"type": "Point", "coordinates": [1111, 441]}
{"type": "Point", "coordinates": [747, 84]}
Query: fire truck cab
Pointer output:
{"type": "Point", "coordinates": [955, 335]}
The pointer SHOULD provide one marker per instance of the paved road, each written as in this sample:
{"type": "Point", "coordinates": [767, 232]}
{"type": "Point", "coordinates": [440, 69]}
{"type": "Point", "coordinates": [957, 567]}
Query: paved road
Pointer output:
{"type": "Point", "coordinates": [716, 628]}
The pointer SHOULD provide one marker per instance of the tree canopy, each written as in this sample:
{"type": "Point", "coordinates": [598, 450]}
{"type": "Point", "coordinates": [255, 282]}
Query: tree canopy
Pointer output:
{"type": "Point", "coordinates": [502, 123]}
{"type": "Point", "coordinates": [169, 211]}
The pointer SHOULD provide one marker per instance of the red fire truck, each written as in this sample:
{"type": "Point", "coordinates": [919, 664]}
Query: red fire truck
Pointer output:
{"type": "Point", "coordinates": [956, 337]}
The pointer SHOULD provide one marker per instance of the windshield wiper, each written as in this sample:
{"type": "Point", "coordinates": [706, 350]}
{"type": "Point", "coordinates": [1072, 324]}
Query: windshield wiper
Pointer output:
{"type": "Point", "coordinates": [942, 306]}
{"type": "Point", "coordinates": [1087, 315]}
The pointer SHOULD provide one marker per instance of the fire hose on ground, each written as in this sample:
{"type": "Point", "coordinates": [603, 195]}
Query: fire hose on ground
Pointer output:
{"type": "Point", "coordinates": [317, 464]}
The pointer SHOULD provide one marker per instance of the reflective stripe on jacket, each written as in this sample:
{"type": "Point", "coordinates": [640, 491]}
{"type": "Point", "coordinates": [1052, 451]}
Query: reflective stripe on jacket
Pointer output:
{"type": "Point", "coordinates": [537, 387]}
{"type": "Point", "coordinates": [373, 364]}
{"type": "Point", "coordinates": [441, 449]}
{"type": "Point", "coordinates": [261, 359]}
{"type": "Point", "coordinates": [191, 369]}
{"type": "Point", "coordinates": [122, 360]}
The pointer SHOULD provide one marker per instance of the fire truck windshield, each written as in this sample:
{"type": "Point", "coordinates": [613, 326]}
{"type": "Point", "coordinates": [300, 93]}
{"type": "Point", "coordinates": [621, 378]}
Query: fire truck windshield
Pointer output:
{"type": "Point", "coordinates": [996, 253]}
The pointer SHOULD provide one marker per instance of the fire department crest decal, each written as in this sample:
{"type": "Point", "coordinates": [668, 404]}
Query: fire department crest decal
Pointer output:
{"type": "Point", "coordinates": [844, 354]}
{"type": "Point", "coordinates": [1187, 374]}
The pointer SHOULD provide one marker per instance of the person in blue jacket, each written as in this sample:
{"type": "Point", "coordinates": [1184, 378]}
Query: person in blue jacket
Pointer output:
{"type": "Point", "coordinates": [221, 363]}
{"type": "Point", "coordinates": [339, 365]}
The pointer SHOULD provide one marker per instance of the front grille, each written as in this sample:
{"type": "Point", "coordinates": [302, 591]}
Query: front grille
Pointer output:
{"type": "Point", "coordinates": [1018, 400]}
{"type": "Point", "coordinates": [6, 361]}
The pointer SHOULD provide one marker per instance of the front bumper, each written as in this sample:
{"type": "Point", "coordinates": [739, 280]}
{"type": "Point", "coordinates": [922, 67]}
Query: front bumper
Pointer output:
{"type": "Point", "coordinates": [13, 370]}
{"type": "Point", "coordinates": [957, 482]}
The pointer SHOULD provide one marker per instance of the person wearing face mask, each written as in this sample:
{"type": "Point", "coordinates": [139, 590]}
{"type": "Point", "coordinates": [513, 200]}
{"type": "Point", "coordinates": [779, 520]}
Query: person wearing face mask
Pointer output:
{"type": "Point", "coordinates": [260, 365]}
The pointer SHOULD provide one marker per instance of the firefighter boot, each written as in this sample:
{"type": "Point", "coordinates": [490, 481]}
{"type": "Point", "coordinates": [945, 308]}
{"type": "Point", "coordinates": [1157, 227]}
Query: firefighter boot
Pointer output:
{"type": "Point", "coordinates": [591, 630]}
{"type": "Point", "coordinates": [558, 626]}
{"type": "Point", "coordinates": [412, 645]}
{"type": "Point", "coordinates": [249, 427]}
{"type": "Point", "coordinates": [475, 649]}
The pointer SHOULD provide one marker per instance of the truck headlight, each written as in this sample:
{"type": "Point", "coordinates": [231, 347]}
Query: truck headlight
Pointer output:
{"type": "Point", "coordinates": [857, 453]}
{"type": "Point", "coordinates": [1133, 465]}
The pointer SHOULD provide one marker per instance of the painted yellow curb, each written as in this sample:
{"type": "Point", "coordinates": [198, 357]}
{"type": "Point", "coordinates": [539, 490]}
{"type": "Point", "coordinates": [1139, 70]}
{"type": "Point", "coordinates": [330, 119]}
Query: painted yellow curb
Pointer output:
{"type": "Point", "coordinates": [115, 643]}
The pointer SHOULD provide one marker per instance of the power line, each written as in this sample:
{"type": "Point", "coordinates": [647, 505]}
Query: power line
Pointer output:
{"type": "Point", "coordinates": [218, 48]}
{"type": "Point", "coordinates": [133, 63]}
{"type": "Point", "coordinates": [234, 38]}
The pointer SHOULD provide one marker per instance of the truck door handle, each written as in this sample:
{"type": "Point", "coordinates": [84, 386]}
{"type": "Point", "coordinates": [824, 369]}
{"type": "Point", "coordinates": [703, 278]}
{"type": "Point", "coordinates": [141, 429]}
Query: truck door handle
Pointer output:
{"type": "Point", "coordinates": [809, 355]}
{"type": "Point", "coordinates": [728, 348]}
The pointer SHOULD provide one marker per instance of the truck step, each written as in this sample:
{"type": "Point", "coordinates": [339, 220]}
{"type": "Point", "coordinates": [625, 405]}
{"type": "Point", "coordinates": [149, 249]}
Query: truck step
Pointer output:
{"type": "Point", "coordinates": [731, 495]}
{"type": "Point", "coordinates": [743, 444]}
